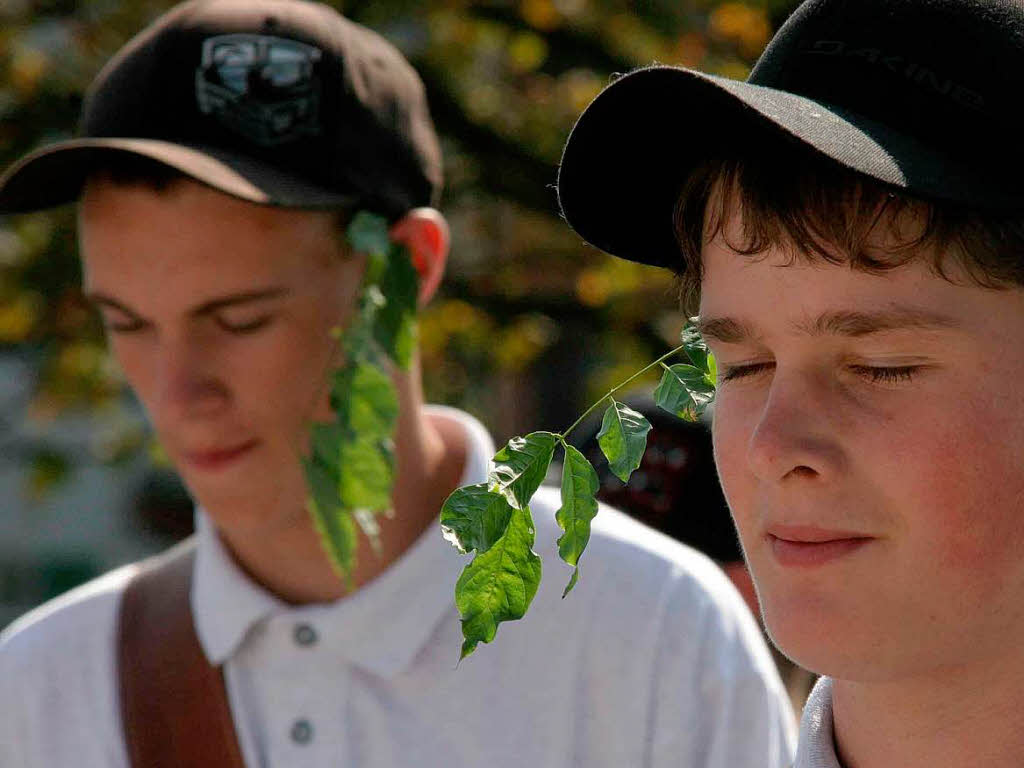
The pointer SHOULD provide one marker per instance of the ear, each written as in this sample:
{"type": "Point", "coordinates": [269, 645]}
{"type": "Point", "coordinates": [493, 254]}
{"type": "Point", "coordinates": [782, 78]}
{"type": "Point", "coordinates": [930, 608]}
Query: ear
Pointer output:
{"type": "Point", "coordinates": [425, 233]}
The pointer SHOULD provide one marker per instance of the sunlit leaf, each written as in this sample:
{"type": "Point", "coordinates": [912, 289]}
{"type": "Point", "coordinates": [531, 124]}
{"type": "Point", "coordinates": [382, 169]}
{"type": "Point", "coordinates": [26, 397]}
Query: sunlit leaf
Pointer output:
{"type": "Point", "coordinates": [579, 506]}
{"type": "Point", "coordinates": [499, 584]}
{"type": "Point", "coordinates": [520, 467]}
{"type": "Point", "coordinates": [623, 439]}
{"type": "Point", "coordinates": [475, 517]}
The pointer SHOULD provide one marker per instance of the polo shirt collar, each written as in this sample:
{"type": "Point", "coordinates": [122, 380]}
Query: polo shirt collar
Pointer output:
{"type": "Point", "coordinates": [380, 627]}
{"type": "Point", "coordinates": [817, 745]}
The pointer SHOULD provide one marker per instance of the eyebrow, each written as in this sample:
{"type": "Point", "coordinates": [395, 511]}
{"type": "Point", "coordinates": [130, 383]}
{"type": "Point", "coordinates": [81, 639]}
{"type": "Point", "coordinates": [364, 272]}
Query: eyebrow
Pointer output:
{"type": "Point", "coordinates": [206, 308]}
{"type": "Point", "coordinates": [730, 330]}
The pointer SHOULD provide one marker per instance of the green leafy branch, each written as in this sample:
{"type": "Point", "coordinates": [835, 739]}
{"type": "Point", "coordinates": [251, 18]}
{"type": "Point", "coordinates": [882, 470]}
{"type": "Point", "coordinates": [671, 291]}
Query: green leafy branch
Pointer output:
{"type": "Point", "coordinates": [493, 518]}
{"type": "Point", "coordinates": [351, 466]}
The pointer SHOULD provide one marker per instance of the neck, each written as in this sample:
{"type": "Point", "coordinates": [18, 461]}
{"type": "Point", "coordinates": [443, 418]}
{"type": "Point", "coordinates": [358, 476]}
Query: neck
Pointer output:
{"type": "Point", "coordinates": [429, 457]}
{"type": "Point", "coordinates": [963, 716]}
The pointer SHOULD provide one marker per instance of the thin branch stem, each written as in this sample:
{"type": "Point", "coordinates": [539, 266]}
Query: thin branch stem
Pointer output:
{"type": "Point", "coordinates": [660, 361]}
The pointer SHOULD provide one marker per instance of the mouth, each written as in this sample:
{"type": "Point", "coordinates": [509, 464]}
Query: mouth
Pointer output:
{"type": "Point", "coordinates": [806, 547]}
{"type": "Point", "coordinates": [218, 458]}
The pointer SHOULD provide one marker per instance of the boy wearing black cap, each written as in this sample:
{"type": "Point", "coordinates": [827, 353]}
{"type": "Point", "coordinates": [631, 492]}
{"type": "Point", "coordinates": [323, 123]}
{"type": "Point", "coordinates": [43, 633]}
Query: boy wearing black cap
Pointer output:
{"type": "Point", "coordinates": [221, 150]}
{"type": "Point", "coordinates": [851, 221]}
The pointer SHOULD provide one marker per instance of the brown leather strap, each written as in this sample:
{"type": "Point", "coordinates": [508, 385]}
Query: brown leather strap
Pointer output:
{"type": "Point", "coordinates": [173, 702]}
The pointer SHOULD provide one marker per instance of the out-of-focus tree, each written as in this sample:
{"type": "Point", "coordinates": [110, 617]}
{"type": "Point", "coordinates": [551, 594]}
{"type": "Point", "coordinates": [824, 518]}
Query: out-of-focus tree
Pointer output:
{"type": "Point", "coordinates": [526, 311]}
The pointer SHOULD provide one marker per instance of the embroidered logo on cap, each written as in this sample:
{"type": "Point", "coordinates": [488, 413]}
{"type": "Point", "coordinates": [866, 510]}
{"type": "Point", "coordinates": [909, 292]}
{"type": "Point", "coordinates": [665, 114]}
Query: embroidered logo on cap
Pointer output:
{"type": "Point", "coordinates": [260, 86]}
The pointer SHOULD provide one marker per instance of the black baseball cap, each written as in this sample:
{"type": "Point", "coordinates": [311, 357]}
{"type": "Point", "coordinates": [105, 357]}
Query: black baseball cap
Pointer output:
{"type": "Point", "coordinates": [922, 95]}
{"type": "Point", "coordinates": [282, 102]}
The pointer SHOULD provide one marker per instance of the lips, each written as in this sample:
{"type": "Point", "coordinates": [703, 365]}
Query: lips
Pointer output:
{"type": "Point", "coordinates": [807, 546]}
{"type": "Point", "coordinates": [218, 458]}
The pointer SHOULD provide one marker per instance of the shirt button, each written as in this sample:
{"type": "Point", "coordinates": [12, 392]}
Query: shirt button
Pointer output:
{"type": "Point", "coordinates": [305, 635]}
{"type": "Point", "coordinates": [302, 731]}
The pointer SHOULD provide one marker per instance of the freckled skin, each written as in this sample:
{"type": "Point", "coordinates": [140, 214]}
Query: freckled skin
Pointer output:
{"type": "Point", "coordinates": [933, 467]}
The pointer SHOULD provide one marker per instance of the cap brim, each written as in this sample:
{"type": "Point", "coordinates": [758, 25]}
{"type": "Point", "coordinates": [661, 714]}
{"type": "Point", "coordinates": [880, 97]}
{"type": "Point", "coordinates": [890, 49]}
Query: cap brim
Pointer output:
{"type": "Point", "coordinates": [55, 175]}
{"type": "Point", "coordinates": [636, 144]}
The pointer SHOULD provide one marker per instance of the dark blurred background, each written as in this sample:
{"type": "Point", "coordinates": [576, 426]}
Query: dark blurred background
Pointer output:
{"type": "Point", "coordinates": [530, 327]}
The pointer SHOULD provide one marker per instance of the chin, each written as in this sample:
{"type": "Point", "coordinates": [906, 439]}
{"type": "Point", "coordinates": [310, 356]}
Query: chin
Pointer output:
{"type": "Point", "coordinates": [834, 640]}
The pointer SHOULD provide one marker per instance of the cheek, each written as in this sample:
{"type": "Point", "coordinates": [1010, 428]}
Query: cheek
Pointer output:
{"type": "Point", "coordinates": [955, 484]}
{"type": "Point", "coordinates": [963, 484]}
{"type": "Point", "coordinates": [288, 382]}
{"type": "Point", "coordinates": [139, 361]}
{"type": "Point", "coordinates": [730, 438]}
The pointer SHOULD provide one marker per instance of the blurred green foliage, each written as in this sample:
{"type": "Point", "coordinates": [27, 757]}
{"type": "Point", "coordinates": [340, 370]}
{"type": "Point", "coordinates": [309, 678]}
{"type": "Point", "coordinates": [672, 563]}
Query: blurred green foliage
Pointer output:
{"type": "Point", "coordinates": [526, 310]}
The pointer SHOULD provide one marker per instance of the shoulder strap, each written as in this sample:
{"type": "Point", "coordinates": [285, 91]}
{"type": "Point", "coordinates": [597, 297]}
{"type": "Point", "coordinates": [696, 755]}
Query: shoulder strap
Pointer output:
{"type": "Point", "coordinates": [174, 704]}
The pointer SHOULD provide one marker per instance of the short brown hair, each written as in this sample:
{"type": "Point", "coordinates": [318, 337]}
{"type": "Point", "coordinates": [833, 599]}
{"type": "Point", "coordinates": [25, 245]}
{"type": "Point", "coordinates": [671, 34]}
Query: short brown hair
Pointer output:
{"type": "Point", "coordinates": [128, 169]}
{"type": "Point", "coordinates": [818, 210]}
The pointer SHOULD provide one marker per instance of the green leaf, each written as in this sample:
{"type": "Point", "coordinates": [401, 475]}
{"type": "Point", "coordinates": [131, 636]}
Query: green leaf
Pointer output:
{"type": "Point", "coordinates": [694, 345]}
{"type": "Point", "coordinates": [333, 523]}
{"type": "Point", "coordinates": [499, 584]}
{"type": "Point", "coordinates": [365, 473]}
{"type": "Point", "coordinates": [579, 506]}
{"type": "Point", "coordinates": [369, 233]}
{"type": "Point", "coordinates": [365, 401]}
{"type": "Point", "coordinates": [475, 517]}
{"type": "Point", "coordinates": [394, 325]}
{"type": "Point", "coordinates": [684, 391]}
{"type": "Point", "coordinates": [521, 466]}
{"type": "Point", "coordinates": [623, 439]}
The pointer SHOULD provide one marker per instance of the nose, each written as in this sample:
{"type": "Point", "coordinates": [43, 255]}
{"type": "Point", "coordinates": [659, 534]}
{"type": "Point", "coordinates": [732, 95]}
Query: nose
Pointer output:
{"type": "Point", "coordinates": [798, 432]}
{"type": "Point", "coordinates": [186, 385]}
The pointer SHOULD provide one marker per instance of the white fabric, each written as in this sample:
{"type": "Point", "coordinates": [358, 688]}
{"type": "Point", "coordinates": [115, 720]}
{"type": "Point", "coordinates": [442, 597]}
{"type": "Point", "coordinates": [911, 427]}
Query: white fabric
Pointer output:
{"type": "Point", "coordinates": [653, 660]}
{"type": "Point", "coordinates": [817, 747]}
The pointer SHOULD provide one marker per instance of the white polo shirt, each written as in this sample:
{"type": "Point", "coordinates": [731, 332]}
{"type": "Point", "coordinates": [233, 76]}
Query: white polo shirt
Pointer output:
{"type": "Point", "coordinates": [817, 735]}
{"type": "Point", "coordinates": [653, 660]}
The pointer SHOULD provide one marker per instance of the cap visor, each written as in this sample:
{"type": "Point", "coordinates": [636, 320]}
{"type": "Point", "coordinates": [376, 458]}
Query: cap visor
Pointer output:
{"type": "Point", "coordinates": [54, 175]}
{"type": "Point", "coordinates": [633, 148]}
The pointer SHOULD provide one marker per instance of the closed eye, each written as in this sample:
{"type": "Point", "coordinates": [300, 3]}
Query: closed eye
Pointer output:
{"type": "Point", "coordinates": [886, 375]}
{"type": "Point", "coordinates": [732, 373]}
{"type": "Point", "coordinates": [249, 326]}
{"type": "Point", "coordinates": [124, 323]}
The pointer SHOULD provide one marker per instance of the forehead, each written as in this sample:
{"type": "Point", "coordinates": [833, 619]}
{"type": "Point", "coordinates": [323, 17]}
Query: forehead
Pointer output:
{"type": "Point", "coordinates": [134, 235]}
{"type": "Point", "coordinates": [778, 292]}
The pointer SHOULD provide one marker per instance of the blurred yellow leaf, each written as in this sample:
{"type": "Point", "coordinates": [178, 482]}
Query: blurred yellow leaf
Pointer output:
{"type": "Point", "coordinates": [527, 52]}
{"type": "Point", "coordinates": [746, 26]}
{"type": "Point", "coordinates": [523, 341]}
{"type": "Point", "coordinates": [580, 87]}
{"type": "Point", "coordinates": [540, 14]}
{"type": "Point", "coordinates": [593, 287]}
{"type": "Point", "coordinates": [690, 50]}
{"type": "Point", "coordinates": [18, 317]}
{"type": "Point", "coordinates": [28, 66]}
